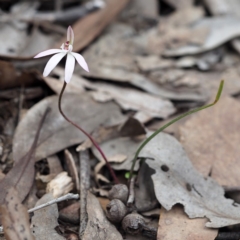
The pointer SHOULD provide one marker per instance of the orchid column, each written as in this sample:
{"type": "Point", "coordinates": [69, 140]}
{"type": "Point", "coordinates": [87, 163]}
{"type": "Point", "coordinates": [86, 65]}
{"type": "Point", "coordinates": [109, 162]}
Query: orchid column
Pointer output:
{"type": "Point", "coordinates": [66, 49]}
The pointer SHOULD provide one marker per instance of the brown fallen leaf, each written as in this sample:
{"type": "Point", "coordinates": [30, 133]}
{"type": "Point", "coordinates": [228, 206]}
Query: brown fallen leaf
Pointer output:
{"type": "Point", "coordinates": [57, 134]}
{"type": "Point", "coordinates": [175, 224]}
{"type": "Point", "coordinates": [211, 140]}
{"type": "Point", "coordinates": [71, 213]}
{"type": "Point", "coordinates": [21, 176]}
{"type": "Point", "coordinates": [98, 226]}
{"type": "Point", "coordinates": [92, 25]}
{"type": "Point", "coordinates": [14, 217]}
{"type": "Point", "coordinates": [45, 220]}
{"type": "Point", "coordinates": [8, 75]}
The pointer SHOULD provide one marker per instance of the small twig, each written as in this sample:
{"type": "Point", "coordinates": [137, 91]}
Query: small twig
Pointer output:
{"type": "Point", "coordinates": [131, 196]}
{"type": "Point", "coordinates": [87, 134]}
{"type": "Point", "coordinates": [84, 186]}
{"type": "Point", "coordinates": [68, 196]}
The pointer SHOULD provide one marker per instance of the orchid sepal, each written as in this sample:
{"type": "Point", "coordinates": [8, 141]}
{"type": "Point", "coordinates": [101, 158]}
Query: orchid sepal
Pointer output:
{"type": "Point", "coordinates": [65, 49]}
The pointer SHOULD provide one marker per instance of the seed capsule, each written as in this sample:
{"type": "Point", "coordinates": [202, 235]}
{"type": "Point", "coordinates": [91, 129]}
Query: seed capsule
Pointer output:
{"type": "Point", "coordinates": [119, 191]}
{"type": "Point", "coordinates": [116, 210]}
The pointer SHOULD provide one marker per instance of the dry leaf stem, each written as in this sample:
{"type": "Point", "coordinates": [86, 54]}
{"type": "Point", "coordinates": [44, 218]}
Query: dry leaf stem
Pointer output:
{"type": "Point", "coordinates": [33, 147]}
{"type": "Point", "coordinates": [87, 134]}
{"type": "Point", "coordinates": [173, 121]}
{"type": "Point", "coordinates": [66, 197]}
{"type": "Point", "coordinates": [84, 186]}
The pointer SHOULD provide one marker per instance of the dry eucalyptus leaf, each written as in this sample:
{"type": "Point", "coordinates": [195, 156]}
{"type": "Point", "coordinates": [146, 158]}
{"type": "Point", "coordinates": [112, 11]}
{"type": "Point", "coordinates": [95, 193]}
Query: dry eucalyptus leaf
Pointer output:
{"type": "Point", "coordinates": [129, 99]}
{"type": "Point", "coordinates": [222, 29]}
{"type": "Point", "coordinates": [122, 68]}
{"type": "Point", "coordinates": [153, 62]}
{"type": "Point", "coordinates": [54, 164]}
{"type": "Point", "coordinates": [57, 133]}
{"type": "Point", "coordinates": [175, 224]}
{"type": "Point", "coordinates": [100, 135]}
{"type": "Point", "coordinates": [184, 17]}
{"type": "Point", "coordinates": [15, 218]}
{"type": "Point", "coordinates": [98, 227]}
{"type": "Point", "coordinates": [21, 176]}
{"type": "Point", "coordinates": [45, 220]}
{"type": "Point", "coordinates": [120, 146]}
{"type": "Point", "coordinates": [131, 128]}
{"type": "Point", "coordinates": [145, 198]}
{"type": "Point", "coordinates": [211, 139]}
{"type": "Point", "coordinates": [118, 158]}
{"type": "Point", "coordinates": [222, 7]}
{"type": "Point", "coordinates": [176, 181]}
{"type": "Point", "coordinates": [75, 86]}
{"type": "Point", "coordinates": [146, 84]}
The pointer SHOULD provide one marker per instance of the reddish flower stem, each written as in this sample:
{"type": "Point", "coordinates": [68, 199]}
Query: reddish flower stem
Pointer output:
{"type": "Point", "coordinates": [87, 134]}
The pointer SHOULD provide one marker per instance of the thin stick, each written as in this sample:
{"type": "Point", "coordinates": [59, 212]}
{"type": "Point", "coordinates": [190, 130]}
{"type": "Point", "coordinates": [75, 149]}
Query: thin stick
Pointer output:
{"type": "Point", "coordinates": [88, 135]}
{"type": "Point", "coordinates": [171, 122]}
{"type": "Point", "coordinates": [68, 196]}
{"type": "Point", "coordinates": [85, 185]}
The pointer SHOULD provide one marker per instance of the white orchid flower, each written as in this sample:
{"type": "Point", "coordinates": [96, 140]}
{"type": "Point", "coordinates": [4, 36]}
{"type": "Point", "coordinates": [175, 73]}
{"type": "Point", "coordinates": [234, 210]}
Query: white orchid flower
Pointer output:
{"type": "Point", "coordinates": [66, 49]}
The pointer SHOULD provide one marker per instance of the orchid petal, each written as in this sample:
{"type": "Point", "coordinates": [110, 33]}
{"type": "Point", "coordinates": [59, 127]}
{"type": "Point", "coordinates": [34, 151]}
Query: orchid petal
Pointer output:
{"type": "Point", "coordinates": [70, 35]}
{"type": "Point", "coordinates": [48, 52]}
{"type": "Point", "coordinates": [52, 63]}
{"type": "Point", "coordinates": [81, 61]}
{"type": "Point", "coordinates": [70, 64]}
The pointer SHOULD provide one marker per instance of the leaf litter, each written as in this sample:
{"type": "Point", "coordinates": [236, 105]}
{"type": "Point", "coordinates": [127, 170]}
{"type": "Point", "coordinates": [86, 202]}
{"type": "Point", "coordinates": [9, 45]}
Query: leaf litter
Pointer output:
{"type": "Point", "coordinates": [56, 127]}
{"type": "Point", "coordinates": [22, 174]}
{"type": "Point", "coordinates": [177, 182]}
{"type": "Point", "coordinates": [14, 217]}
{"type": "Point", "coordinates": [128, 57]}
{"type": "Point", "coordinates": [45, 220]}
{"type": "Point", "coordinates": [213, 147]}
